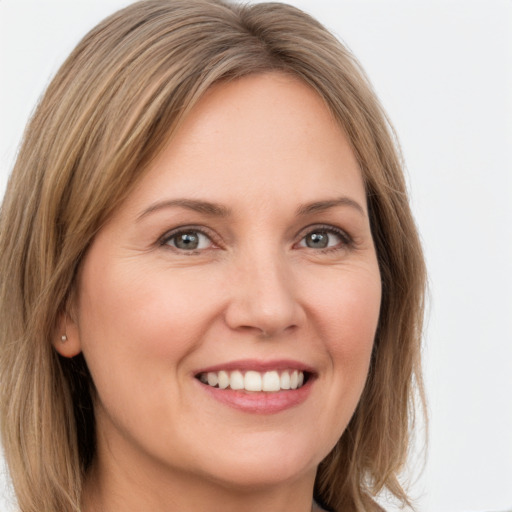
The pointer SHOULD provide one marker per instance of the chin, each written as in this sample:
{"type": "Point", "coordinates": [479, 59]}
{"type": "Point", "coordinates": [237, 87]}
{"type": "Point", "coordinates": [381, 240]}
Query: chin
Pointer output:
{"type": "Point", "coordinates": [265, 461]}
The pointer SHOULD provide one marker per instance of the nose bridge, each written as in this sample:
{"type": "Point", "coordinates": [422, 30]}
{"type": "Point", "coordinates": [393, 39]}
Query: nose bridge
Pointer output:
{"type": "Point", "coordinates": [264, 293]}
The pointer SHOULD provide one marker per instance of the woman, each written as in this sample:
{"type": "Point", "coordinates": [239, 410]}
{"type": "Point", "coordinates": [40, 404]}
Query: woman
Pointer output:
{"type": "Point", "coordinates": [212, 284]}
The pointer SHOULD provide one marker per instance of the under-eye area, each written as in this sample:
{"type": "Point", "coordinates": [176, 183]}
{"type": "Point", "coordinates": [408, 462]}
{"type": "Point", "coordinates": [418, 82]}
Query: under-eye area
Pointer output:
{"type": "Point", "coordinates": [268, 381]}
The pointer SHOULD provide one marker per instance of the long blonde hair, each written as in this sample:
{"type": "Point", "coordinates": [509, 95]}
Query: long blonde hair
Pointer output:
{"type": "Point", "coordinates": [109, 110]}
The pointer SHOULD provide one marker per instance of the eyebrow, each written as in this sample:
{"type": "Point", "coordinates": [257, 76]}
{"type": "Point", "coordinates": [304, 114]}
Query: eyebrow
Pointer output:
{"type": "Point", "coordinates": [321, 206]}
{"type": "Point", "coordinates": [205, 207]}
{"type": "Point", "coordinates": [217, 210]}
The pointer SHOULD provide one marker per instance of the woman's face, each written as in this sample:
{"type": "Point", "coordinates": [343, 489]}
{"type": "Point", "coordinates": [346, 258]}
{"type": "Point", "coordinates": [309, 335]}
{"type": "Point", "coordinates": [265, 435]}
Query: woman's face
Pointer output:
{"type": "Point", "coordinates": [243, 259]}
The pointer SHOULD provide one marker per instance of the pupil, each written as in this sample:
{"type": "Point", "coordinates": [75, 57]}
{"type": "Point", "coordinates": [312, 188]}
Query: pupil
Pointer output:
{"type": "Point", "coordinates": [317, 240]}
{"type": "Point", "coordinates": [187, 241]}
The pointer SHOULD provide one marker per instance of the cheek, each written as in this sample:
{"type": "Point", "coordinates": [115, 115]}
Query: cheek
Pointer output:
{"type": "Point", "coordinates": [346, 312]}
{"type": "Point", "coordinates": [358, 324]}
{"type": "Point", "coordinates": [134, 298]}
{"type": "Point", "coordinates": [355, 323]}
{"type": "Point", "coordinates": [134, 320]}
{"type": "Point", "coordinates": [348, 316]}
{"type": "Point", "coordinates": [349, 311]}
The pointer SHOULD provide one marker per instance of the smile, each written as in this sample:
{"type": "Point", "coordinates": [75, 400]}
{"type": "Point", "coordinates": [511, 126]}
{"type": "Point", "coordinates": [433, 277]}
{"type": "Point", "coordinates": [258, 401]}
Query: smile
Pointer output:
{"type": "Point", "coordinates": [269, 381]}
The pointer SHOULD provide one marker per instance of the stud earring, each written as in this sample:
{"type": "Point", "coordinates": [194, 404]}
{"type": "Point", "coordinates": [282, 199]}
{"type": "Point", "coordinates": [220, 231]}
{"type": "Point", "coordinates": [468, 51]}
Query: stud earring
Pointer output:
{"type": "Point", "coordinates": [63, 338]}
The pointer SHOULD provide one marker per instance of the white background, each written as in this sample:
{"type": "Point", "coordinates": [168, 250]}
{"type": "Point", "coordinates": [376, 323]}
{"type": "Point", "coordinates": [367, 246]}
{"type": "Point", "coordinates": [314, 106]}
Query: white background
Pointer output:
{"type": "Point", "coordinates": [443, 70]}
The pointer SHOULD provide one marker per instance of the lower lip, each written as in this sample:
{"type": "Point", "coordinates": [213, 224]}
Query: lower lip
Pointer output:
{"type": "Point", "coordinates": [260, 402]}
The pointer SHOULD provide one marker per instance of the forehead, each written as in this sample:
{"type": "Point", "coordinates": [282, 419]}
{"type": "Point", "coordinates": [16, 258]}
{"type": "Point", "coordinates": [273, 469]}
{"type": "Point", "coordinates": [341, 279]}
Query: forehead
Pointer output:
{"type": "Point", "coordinates": [269, 135]}
{"type": "Point", "coordinates": [270, 109]}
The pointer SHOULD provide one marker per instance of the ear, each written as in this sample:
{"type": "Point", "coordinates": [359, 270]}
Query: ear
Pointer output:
{"type": "Point", "coordinates": [66, 337]}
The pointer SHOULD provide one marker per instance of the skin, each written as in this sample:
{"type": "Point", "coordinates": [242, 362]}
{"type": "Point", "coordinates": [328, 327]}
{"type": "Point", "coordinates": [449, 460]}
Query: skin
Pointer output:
{"type": "Point", "coordinates": [149, 315]}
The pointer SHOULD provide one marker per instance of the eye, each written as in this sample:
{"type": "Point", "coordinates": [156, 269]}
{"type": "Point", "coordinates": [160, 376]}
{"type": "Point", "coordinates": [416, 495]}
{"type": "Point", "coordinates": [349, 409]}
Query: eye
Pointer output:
{"type": "Point", "coordinates": [188, 240]}
{"type": "Point", "coordinates": [325, 238]}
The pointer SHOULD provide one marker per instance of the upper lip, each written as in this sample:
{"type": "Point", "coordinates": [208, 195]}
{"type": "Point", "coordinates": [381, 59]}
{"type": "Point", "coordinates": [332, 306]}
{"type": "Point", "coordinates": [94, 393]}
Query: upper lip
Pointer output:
{"type": "Point", "coordinates": [258, 366]}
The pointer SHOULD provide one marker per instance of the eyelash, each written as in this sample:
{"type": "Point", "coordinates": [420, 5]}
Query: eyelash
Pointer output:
{"type": "Point", "coordinates": [346, 239]}
{"type": "Point", "coordinates": [170, 235]}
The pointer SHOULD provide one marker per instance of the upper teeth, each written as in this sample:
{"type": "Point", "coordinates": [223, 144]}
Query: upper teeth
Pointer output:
{"type": "Point", "coordinates": [254, 381]}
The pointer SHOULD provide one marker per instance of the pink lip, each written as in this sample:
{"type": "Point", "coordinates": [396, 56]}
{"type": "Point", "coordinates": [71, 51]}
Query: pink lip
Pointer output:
{"type": "Point", "coordinates": [258, 366]}
{"type": "Point", "coordinates": [260, 403]}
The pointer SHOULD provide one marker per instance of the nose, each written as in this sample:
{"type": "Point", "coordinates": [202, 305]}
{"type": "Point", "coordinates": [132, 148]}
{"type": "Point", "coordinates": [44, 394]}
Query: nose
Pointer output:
{"type": "Point", "coordinates": [263, 297]}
